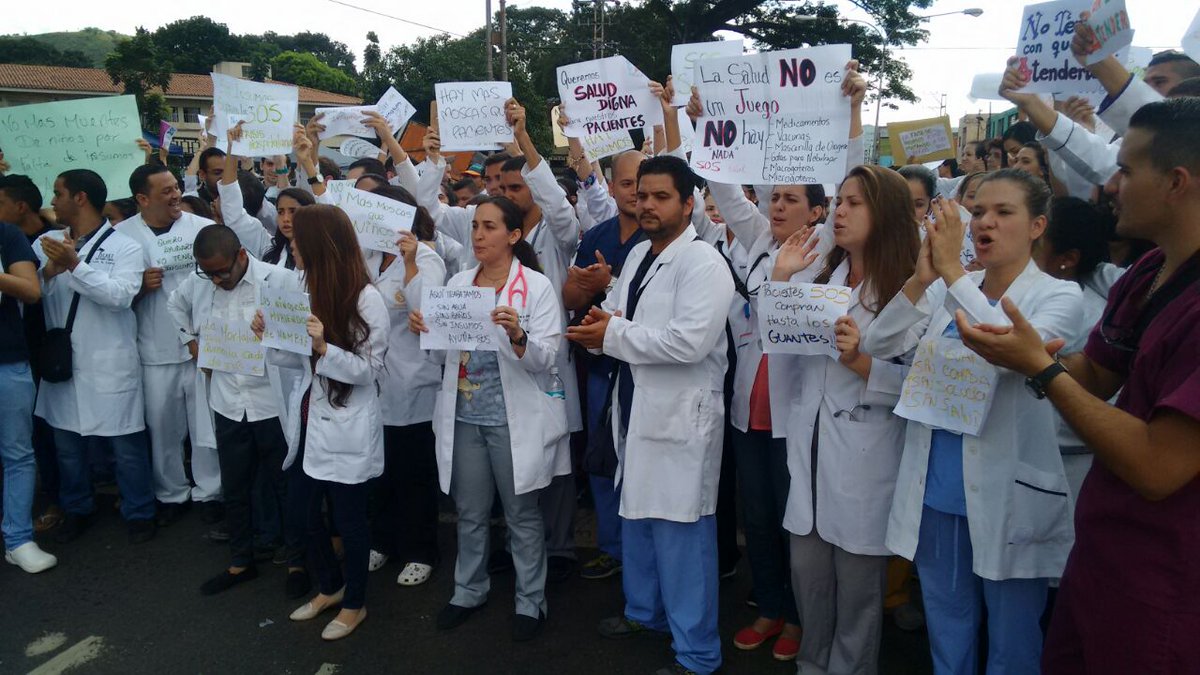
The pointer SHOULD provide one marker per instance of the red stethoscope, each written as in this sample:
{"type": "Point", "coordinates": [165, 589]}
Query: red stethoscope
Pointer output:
{"type": "Point", "coordinates": [518, 287]}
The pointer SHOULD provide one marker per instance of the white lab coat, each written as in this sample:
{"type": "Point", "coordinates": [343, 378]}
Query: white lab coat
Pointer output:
{"type": "Point", "coordinates": [859, 442]}
{"type": "Point", "coordinates": [1018, 512]}
{"type": "Point", "coordinates": [104, 395]}
{"type": "Point", "coordinates": [158, 343]}
{"type": "Point", "coordinates": [341, 445]}
{"type": "Point", "coordinates": [537, 422]}
{"type": "Point", "coordinates": [411, 383]}
{"type": "Point", "coordinates": [669, 460]}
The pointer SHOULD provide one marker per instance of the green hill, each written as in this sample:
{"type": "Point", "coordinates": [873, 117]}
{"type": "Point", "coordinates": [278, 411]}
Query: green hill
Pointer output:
{"type": "Point", "coordinates": [93, 42]}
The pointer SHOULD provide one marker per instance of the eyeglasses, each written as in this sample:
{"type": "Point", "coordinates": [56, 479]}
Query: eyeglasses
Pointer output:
{"type": "Point", "coordinates": [220, 275]}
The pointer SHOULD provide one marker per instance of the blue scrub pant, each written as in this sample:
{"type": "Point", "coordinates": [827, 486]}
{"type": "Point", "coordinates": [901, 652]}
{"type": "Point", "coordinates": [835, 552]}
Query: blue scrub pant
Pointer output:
{"type": "Point", "coordinates": [670, 577]}
{"type": "Point", "coordinates": [955, 599]}
{"type": "Point", "coordinates": [607, 499]}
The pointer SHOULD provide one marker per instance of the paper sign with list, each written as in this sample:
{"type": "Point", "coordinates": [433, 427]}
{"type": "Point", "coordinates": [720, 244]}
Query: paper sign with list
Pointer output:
{"type": "Point", "coordinates": [269, 111]}
{"type": "Point", "coordinates": [459, 317]}
{"type": "Point", "coordinates": [377, 220]}
{"type": "Point", "coordinates": [45, 139]}
{"type": "Point", "coordinates": [285, 319]}
{"type": "Point", "coordinates": [775, 117]}
{"type": "Point", "coordinates": [471, 115]}
{"type": "Point", "coordinates": [231, 347]}
{"type": "Point", "coordinates": [948, 387]}
{"type": "Point", "coordinates": [799, 318]}
{"type": "Point", "coordinates": [606, 96]}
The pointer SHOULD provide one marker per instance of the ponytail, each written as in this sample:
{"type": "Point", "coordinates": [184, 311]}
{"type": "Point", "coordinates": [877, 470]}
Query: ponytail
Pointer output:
{"type": "Point", "coordinates": [524, 253]}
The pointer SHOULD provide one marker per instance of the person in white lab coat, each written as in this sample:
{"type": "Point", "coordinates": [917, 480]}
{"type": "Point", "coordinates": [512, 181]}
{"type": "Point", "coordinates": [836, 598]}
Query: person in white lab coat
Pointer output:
{"type": "Point", "coordinates": [987, 518]}
{"type": "Point", "coordinates": [665, 321]}
{"type": "Point", "coordinates": [406, 521]}
{"type": "Point", "coordinates": [332, 419]}
{"type": "Point", "coordinates": [103, 268]}
{"type": "Point", "coordinates": [499, 419]}
{"type": "Point", "coordinates": [166, 235]}
{"type": "Point", "coordinates": [246, 417]}
{"type": "Point", "coordinates": [843, 442]}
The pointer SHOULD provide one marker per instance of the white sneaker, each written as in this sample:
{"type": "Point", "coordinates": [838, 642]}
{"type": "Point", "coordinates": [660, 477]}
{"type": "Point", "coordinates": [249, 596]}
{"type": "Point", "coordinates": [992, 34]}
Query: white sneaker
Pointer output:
{"type": "Point", "coordinates": [30, 558]}
{"type": "Point", "coordinates": [376, 561]}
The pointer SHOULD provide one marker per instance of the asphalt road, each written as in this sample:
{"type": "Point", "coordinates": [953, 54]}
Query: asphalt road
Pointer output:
{"type": "Point", "coordinates": [112, 607]}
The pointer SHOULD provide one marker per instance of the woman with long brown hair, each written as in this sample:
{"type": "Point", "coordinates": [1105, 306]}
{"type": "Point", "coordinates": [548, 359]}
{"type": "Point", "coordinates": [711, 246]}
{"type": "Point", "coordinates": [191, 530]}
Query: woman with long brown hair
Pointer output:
{"type": "Point", "coordinates": [333, 421]}
{"type": "Point", "coordinates": [844, 444]}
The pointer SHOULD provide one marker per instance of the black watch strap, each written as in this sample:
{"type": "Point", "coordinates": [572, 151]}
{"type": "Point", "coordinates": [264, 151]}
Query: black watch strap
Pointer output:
{"type": "Point", "coordinates": [1038, 383]}
{"type": "Point", "coordinates": [522, 342]}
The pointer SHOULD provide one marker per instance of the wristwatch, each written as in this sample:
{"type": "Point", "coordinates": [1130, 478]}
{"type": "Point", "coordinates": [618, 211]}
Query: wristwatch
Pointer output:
{"type": "Point", "coordinates": [313, 180]}
{"type": "Point", "coordinates": [1038, 383]}
{"type": "Point", "coordinates": [522, 342]}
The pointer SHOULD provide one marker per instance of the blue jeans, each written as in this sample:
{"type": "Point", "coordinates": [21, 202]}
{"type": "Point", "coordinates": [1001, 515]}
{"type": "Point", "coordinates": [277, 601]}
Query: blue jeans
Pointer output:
{"type": "Point", "coordinates": [16, 452]}
{"type": "Point", "coordinates": [132, 455]}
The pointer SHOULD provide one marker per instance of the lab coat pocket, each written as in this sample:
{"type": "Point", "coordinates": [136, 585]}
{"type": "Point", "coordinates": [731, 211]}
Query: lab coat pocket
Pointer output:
{"type": "Point", "coordinates": [554, 425]}
{"type": "Point", "coordinates": [110, 371]}
{"type": "Point", "coordinates": [1039, 508]}
{"type": "Point", "coordinates": [665, 415]}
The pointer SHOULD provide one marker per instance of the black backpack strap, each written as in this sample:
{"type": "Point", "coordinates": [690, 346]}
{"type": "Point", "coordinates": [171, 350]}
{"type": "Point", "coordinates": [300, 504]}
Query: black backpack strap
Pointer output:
{"type": "Point", "coordinates": [88, 259]}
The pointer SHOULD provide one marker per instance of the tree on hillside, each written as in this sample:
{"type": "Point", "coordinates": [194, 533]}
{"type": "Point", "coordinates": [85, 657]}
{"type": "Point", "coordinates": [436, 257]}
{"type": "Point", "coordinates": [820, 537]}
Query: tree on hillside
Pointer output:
{"type": "Point", "coordinates": [307, 70]}
{"type": "Point", "coordinates": [137, 65]}
{"type": "Point", "coordinates": [330, 52]}
{"type": "Point", "coordinates": [32, 52]}
{"type": "Point", "coordinates": [197, 44]}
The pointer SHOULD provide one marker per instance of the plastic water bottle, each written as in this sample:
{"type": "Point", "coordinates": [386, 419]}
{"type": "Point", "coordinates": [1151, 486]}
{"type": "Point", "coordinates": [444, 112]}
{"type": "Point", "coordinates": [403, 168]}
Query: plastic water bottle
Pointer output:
{"type": "Point", "coordinates": [556, 390]}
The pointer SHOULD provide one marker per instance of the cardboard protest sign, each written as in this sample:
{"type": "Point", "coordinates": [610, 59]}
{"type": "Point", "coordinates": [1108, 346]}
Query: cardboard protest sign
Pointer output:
{"type": "Point", "coordinates": [358, 148]}
{"type": "Point", "coordinates": [1044, 47]}
{"type": "Point", "coordinates": [683, 64]}
{"type": "Point", "coordinates": [1110, 21]}
{"type": "Point", "coordinates": [926, 140]}
{"type": "Point", "coordinates": [231, 347]}
{"type": "Point", "coordinates": [606, 95]}
{"type": "Point", "coordinates": [948, 387]}
{"type": "Point", "coordinates": [799, 318]}
{"type": "Point", "coordinates": [471, 115]}
{"type": "Point", "coordinates": [459, 317]}
{"type": "Point", "coordinates": [268, 109]}
{"type": "Point", "coordinates": [285, 319]}
{"type": "Point", "coordinates": [377, 220]}
{"type": "Point", "coordinates": [395, 109]}
{"type": "Point", "coordinates": [775, 117]}
{"type": "Point", "coordinates": [345, 121]}
{"type": "Point", "coordinates": [101, 134]}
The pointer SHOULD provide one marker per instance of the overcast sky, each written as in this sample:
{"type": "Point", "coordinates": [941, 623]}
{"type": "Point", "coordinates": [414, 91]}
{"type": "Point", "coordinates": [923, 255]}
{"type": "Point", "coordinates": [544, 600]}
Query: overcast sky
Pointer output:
{"type": "Point", "coordinates": [958, 47]}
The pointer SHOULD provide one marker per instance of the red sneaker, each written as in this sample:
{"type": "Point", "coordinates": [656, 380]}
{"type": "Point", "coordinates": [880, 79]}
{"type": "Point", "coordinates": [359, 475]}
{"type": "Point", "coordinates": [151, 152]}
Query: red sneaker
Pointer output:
{"type": "Point", "coordinates": [748, 638]}
{"type": "Point", "coordinates": [785, 649]}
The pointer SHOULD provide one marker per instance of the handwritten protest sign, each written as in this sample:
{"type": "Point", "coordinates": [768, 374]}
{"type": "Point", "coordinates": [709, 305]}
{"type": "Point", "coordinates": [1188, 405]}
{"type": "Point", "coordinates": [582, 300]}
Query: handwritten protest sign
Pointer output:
{"type": "Point", "coordinates": [358, 148]}
{"type": "Point", "coordinates": [595, 146]}
{"type": "Point", "coordinates": [395, 109]}
{"type": "Point", "coordinates": [1191, 39]}
{"type": "Point", "coordinates": [1044, 48]}
{"type": "Point", "coordinates": [683, 64]}
{"type": "Point", "coordinates": [606, 95]}
{"type": "Point", "coordinates": [285, 319]}
{"type": "Point", "coordinates": [948, 387]}
{"type": "Point", "coordinates": [269, 111]}
{"type": "Point", "coordinates": [1110, 21]}
{"type": "Point", "coordinates": [459, 317]}
{"type": "Point", "coordinates": [231, 347]}
{"type": "Point", "coordinates": [173, 253]}
{"type": "Point", "coordinates": [927, 140]}
{"type": "Point", "coordinates": [799, 318]}
{"type": "Point", "coordinates": [345, 121]}
{"type": "Point", "coordinates": [377, 220]}
{"type": "Point", "coordinates": [43, 140]}
{"type": "Point", "coordinates": [775, 117]}
{"type": "Point", "coordinates": [471, 115]}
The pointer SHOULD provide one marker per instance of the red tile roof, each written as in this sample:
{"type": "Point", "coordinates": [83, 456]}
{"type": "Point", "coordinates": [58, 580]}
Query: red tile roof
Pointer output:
{"type": "Point", "coordinates": [95, 81]}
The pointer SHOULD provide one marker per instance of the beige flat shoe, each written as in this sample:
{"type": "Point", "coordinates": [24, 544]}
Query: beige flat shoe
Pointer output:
{"type": "Point", "coordinates": [336, 630]}
{"type": "Point", "coordinates": [309, 611]}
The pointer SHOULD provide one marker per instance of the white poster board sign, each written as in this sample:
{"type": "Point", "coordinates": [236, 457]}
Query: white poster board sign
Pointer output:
{"type": "Point", "coordinates": [1110, 21]}
{"type": "Point", "coordinates": [776, 117]}
{"type": "Point", "coordinates": [459, 317]}
{"type": "Point", "coordinates": [1191, 39]}
{"type": "Point", "coordinates": [358, 148]}
{"type": "Point", "coordinates": [174, 253]}
{"type": "Point", "coordinates": [268, 109]}
{"type": "Point", "coordinates": [471, 115]}
{"type": "Point", "coordinates": [377, 220]}
{"type": "Point", "coordinates": [285, 319]}
{"type": "Point", "coordinates": [395, 109]}
{"type": "Point", "coordinates": [231, 347]}
{"type": "Point", "coordinates": [345, 121]}
{"type": "Point", "coordinates": [799, 318]}
{"type": "Point", "coordinates": [606, 95]}
{"type": "Point", "coordinates": [683, 64]}
{"type": "Point", "coordinates": [1044, 49]}
{"type": "Point", "coordinates": [948, 387]}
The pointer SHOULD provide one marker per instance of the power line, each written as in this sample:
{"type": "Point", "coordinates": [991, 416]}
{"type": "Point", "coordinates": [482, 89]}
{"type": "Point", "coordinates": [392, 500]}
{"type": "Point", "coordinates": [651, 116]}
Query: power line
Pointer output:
{"type": "Point", "coordinates": [396, 18]}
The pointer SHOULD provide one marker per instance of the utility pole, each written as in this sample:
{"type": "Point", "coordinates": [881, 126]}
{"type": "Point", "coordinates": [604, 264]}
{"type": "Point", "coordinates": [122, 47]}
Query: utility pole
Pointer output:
{"type": "Point", "coordinates": [503, 42]}
{"type": "Point", "coordinates": [487, 41]}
